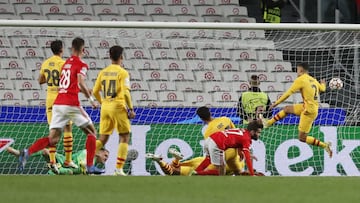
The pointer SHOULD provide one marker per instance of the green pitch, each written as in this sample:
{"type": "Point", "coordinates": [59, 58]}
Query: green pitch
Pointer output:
{"type": "Point", "coordinates": [91, 189]}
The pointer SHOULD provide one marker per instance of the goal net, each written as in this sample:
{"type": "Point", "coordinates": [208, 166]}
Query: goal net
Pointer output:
{"type": "Point", "coordinates": [175, 71]}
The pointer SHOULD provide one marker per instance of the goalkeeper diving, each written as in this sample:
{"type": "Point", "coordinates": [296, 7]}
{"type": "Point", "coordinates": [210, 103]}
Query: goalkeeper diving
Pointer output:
{"type": "Point", "coordinates": [79, 159]}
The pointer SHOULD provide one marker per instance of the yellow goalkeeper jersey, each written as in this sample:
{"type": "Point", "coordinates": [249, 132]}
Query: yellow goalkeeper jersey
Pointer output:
{"type": "Point", "coordinates": [218, 124]}
{"type": "Point", "coordinates": [309, 88]}
{"type": "Point", "coordinates": [113, 81]}
{"type": "Point", "coordinates": [51, 69]}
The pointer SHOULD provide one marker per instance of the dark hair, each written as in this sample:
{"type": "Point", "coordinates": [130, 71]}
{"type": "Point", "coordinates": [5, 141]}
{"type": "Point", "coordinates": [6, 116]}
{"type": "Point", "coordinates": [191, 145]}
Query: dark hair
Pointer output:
{"type": "Point", "coordinates": [103, 149]}
{"type": "Point", "coordinates": [305, 66]}
{"type": "Point", "coordinates": [56, 46]}
{"type": "Point", "coordinates": [204, 113]}
{"type": "Point", "coordinates": [115, 52]}
{"type": "Point", "coordinates": [77, 44]}
{"type": "Point", "coordinates": [255, 125]}
{"type": "Point", "coordinates": [254, 81]}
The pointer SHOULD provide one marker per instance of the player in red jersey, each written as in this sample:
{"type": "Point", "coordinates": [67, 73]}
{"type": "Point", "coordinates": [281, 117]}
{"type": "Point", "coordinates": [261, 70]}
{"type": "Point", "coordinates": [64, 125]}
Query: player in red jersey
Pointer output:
{"type": "Point", "coordinates": [218, 142]}
{"type": "Point", "coordinates": [67, 107]}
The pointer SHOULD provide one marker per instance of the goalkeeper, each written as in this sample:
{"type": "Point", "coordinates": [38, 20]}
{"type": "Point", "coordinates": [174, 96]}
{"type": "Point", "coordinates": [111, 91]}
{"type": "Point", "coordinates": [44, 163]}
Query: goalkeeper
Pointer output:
{"type": "Point", "coordinates": [79, 158]}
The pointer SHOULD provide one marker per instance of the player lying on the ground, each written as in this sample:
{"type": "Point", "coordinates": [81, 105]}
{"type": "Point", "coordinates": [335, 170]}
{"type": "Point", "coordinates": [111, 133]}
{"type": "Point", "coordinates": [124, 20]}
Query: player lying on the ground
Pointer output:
{"type": "Point", "coordinates": [185, 168]}
{"type": "Point", "coordinates": [79, 158]}
{"type": "Point", "coordinates": [218, 142]}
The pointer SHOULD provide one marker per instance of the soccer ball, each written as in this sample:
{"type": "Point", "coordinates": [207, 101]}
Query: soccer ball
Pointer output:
{"type": "Point", "coordinates": [336, 84]}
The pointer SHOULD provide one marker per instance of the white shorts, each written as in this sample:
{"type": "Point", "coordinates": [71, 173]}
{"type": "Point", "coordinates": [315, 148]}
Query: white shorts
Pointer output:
{"type": "Point", "coordinates": [62, 114]}
{"type": "Point", "coordinates": [212, 150]}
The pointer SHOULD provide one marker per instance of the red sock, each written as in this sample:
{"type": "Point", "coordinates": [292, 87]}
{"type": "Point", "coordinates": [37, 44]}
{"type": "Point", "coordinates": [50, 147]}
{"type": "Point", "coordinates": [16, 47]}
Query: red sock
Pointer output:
{"type": "Point", "coordinates": [90, 149]}
{"type": "Point", "coordinates": [203, 165]}
{"type": "Point", "coordinates": [39, 145]}
{"type": "Point", "coordinates": [211, 172]}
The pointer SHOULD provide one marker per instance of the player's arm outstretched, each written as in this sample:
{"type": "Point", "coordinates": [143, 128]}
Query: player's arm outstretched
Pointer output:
{"type": "Point", "coordinates": [296, 86]}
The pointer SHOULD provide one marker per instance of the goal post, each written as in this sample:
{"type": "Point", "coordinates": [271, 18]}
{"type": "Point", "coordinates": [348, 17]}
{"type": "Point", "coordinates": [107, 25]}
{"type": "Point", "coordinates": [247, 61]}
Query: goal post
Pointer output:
{"type": "Point", "coordinates": [176, 68]}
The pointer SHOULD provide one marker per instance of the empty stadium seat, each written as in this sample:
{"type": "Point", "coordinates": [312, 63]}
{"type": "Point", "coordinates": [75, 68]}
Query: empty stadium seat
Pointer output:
{"type": "Point", "coordinates": [32, 16]}
{"type": "Point", "coordinates": [229, 76]}
{"type": "Point", "coordinates": [217, 55]}
{"type": "Point", "coordinates": [149, 34]}
{"type": "Point", "coordinates": [239, 86]}
{"type": "Point", "coordinates": [252, 66]}
{"type": "Point", "coordinates": [264, 76]}
{"type": "Point", "coordinates": [171, 96]}
{"type": "Point", "coordinates": [286, 76]}
{"type": "Point", "coordinates": [172, 65]}
{"type": "Point", "coordinates": [27, 9]}
{"type": "Point", "coordinates": [226, 66]}
{"type": "Point", "coordinates": [215, 19]}
{"type": "Point", "coordinates": [158, 75]}
{"type": "Point", "coordinates": [95, 63]}
{"type": "Point", "coordinates": [140, 18]}
{"type": "Point", "coordinates": [59, 17]}
{"type": "Point", "coordinates": [146, 65]}
{"type": "Point", "coordinates": [92, 74]}
{"type": "Point", "coordinates": [188, 86]}
{"type": "Point", "coordinates": [12, 64]}
{"type": "Point", "coordinates": [53, 9]}
{"type": "Point", "coordinates": [127, 65]}
{"type": "Point", "coordinates": [6, 84]}
{"type": "Point", "coordinates": [40, 2]}
{"type": "Point", "coordinates": [10, 95]}
{"type": "Point", "coordinates": [260, 44]}
{"type": "Point", "coordinates": [198, 65]}
{"type": "Point", "coordinates": [99, 2]}
{"type": "Point", "coordinates": [198, 98]}
{"type": "Point", "coordinates": [230, 44]}
{"type": "Point", "coordinates": [74, 2]}
{"type": "Point", "coordinates": [190, 54]}
{"type": "Point", "coordinates": [125, 2]}
{"type": "Point", "coordinates": [144, 96]}
{"type": "Point", "coordinates": [225, 97]}
{"type": "Point", "coordinates": [131, 44]}
{"type": "Point", "coordinates": [24, 42]}
{"type": "Point", "coordinates": [161, 18]}
{"type": "Point", "coordinates": [7, 9]}
{"type": "Point", "coordinates": [161, 54]}
{"type": "Point", "coordinates": [9, 16]}
{"type": "Point", "coordinates": [105, 17]}
{"type": "Point", "coordinates": [176, 2]}
{"type": "Point", "coordinates": [216, 87]}
{"type": "Point", "coordinates": [269, 55]}
{"type": "Point", "coordinates": [134, 75]}
{"type": "Point", "coordinates": [183, 10]}
{"type": "Point", "coordinates": [102, 43]}
{"type": "Point", "coordinates": [157, 10]}
{"type": "Point", "coordinates": [103, 53]}
{"type": "Point", "coordinates": [227, 34]}
{"type": "Point", "coordinates": [170, 34]}
{"type": "Point", "coordinates": [208, 11]}
{"type": "Point", "coordinates": [17, 31]}
{"type": "Point", "coordinates": [40, 102]}
{"type": "Point", "coordinates": [27, 85]}
{"type": "Point", "coordinates": [131, 10]}
{"type": "Point", "coordinates": [150, 2]}
{"type": "Point", "coordinates": [252, 34]}
{"type": "Point", "coordinates": [31, 53]}
{"type": "Point", "coordinates": [137, 54]}
{"type": "Point", "coordinates": [105, 9]}
{"type": "Point", "coordinates": [271, 86]}
{"type": "Point", "coordinates": [8, 53]}
{"type": "Point", "coordinates": [158, 86]}
{"type": "Point", "coordinates": [139, 86]}
{"type": "Point", "coordinates": [278, 66]}
{"type": "Point", "coordinates": [244, 54]}
{"type": "Point", "coordinates": [14, 103]}
{"type": "Point", "coordinates": [190, 19]}
{"type": "Point", "coordinates": [202, 2]}
{"type": "Point", "coordinates": [227, 2]}
{"type": "Point", "coordinates": [183, 44]}
{"type": "Point", "coordinates": [4, 42]}
{"type": "Point", "coordinates": [19, 74]}
{"type": "Point", "coordinates": [157, 44]}
{"type": "Point", "coordinates": [79, 10]}
{"type": "Point", "coordinates": [233, 10]}
{"type": "Point", "coordinates": [207, 76]}
{"type": "Point", "coordinates": [181, 76]}
{"type": "Point", "coordinates": [207, 44]}
{"type": "Point", "coordinates": [34, 95]}
{"type": "Point", "coordinates": [33, 64]}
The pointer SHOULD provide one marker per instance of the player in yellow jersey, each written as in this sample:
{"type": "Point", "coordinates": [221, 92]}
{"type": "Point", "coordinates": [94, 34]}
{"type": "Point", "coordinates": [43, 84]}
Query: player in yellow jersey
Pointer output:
{"type": "Point", "coordinates": [116, 105]}
{"type": "Point", "coordinates": [309, 88]}
{"type": "Point", "coordinates": [50, 74]}
{"type": "Point", "coordinates": [234, 164]}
